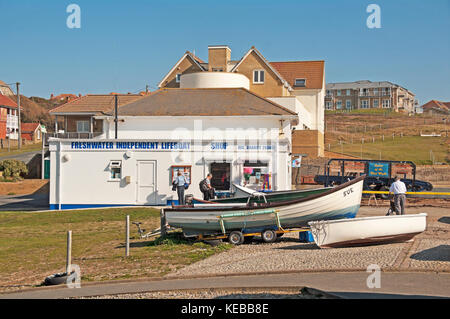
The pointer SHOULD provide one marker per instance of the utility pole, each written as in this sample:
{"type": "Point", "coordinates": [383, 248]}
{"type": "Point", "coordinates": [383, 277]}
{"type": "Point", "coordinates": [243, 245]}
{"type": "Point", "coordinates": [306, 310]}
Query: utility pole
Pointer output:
{"type": "Point", "coordinates": [116, 120]}
{"type": "Point", "coordinates": [19, 144]}
{"type": "Point", "coordinates": [146, 88]}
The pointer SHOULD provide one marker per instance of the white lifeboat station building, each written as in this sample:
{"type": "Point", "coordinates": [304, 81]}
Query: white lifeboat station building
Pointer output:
{"type": "Point", "coordinates": [129, 148]}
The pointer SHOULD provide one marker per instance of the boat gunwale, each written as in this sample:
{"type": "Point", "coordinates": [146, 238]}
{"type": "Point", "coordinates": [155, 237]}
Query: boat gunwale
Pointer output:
{"type": "Point", "coordinates": [271, 205]}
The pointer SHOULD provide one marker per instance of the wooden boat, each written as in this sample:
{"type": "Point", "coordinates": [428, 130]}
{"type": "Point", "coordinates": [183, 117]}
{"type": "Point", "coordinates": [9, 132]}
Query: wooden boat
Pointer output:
{"type": "Point", "coordinates": [367, 230]}
{"type": "Point", "coordinates": [244, 195]}
{"type": "Point", "coordinates": [342, 201]}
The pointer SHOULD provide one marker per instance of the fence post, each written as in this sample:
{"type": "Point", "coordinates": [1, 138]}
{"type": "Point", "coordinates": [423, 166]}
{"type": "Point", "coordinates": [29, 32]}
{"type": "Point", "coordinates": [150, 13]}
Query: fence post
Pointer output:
{"type": "Point", "coordinates": [127, 236]}
{"type": "Point", "coordinates": [163, 223]}
{"type": "Point", "coordinates": [69, 253]}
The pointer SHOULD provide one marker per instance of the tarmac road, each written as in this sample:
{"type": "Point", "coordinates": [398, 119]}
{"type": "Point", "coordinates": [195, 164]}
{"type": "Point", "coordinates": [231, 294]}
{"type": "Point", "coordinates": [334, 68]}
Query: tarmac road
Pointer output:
{"type": "Point", "coordinates": [342, 284]}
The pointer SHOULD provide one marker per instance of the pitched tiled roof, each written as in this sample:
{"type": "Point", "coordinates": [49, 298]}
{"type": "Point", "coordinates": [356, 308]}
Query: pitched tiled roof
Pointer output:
{"type": "Point", "coordinates": [312, 71]}
{"type": "Point", "coordinates": [96, 104]}
{"type": "Point", "coordinates": [6, 101]}
{"type": "Point", "coordinates": [437, 105]}
{"type": "Point", "coordinates": [29, 127]}
{"type": "Point", "coordinates": [203, 102]}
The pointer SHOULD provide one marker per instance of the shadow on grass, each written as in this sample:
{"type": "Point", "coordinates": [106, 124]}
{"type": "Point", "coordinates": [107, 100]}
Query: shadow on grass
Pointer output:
{"type": "Point", "coordinates": [170, 239]}
{"type": "Point", "coordinates": [438, 253]}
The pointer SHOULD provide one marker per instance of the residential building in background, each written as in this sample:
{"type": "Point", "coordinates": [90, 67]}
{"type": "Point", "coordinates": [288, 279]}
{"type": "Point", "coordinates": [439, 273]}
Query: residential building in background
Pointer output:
{"type": "Point", "coordinates": [435, 107]}
{"type": "Point", "coordinates": [369, 95]}
{"type": "Point", "coordinates": [31, 132]}
{"type": "Point", "coordinates": [296, 85]}
{"type": "Point", "coordinates": [5, 89]}
{"type": "Point", "coordinates": [9, 118]}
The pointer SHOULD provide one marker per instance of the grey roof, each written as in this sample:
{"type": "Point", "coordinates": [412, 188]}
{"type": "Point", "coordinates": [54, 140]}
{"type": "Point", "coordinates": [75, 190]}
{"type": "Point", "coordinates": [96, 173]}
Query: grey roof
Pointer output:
{"type": "Point", "coordinates": [203, 102]}
{"type": "Point", "coordinates": [364, 84]}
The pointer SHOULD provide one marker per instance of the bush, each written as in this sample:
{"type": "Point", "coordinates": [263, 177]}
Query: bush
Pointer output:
{"type": "Point", "coordinates": [13, 168]}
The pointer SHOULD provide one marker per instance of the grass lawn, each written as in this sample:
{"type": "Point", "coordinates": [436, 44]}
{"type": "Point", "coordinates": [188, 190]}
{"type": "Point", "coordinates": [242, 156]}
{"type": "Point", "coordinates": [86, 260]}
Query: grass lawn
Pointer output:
{"type": "Point", "coordinates": [14, 151]}
{"type": "Point", "coordinates": [410, 148]}
{"type": "Point", "coordinates": [33, 246]}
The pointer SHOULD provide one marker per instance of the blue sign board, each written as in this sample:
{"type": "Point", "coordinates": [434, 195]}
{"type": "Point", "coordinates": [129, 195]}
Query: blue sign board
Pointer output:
{"type": "Point", "coordinates": [377, 169]}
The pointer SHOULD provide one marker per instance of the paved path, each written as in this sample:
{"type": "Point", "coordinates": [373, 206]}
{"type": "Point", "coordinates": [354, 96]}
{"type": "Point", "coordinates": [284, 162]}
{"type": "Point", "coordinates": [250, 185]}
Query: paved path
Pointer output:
{"type": "Point", "coordinates": [24, 157]}
{"type": "Point", "coordinates": [348, 285]}
{"type": "Point", "coordinates": [31, 202]}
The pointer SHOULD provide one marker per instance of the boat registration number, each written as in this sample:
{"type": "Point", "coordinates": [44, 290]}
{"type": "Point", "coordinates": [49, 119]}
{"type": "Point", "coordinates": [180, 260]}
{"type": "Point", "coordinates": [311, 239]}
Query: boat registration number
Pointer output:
{"type": "Point", "coordinates": [348, 191]}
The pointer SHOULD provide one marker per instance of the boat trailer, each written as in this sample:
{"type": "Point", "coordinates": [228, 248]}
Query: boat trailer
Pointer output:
{"type": "Point", "coordinates": [269, 234]}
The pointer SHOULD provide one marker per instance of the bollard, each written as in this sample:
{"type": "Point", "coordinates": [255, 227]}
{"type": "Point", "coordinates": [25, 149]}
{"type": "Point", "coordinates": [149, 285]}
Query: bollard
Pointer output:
{"type": "Point", "coordinates": [127, 236]}
{"type": "Point", "coordinates": [69, 252]}
{"type": "Point", "coordinates": [163, 223]}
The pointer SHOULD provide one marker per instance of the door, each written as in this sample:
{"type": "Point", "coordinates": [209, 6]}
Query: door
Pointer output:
{"type": "Point", "coordinates": [146, 182]}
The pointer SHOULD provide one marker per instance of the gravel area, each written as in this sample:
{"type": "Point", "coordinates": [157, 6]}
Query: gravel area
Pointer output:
{"type": "Point", "coordinates": [247, 293]}
{"type": "Point", "coordinates": [428, 252]}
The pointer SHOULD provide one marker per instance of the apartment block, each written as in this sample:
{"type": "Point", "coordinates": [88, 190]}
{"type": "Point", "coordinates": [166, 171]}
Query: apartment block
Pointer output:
{"type": "Point", "coordinates": [369, 95]}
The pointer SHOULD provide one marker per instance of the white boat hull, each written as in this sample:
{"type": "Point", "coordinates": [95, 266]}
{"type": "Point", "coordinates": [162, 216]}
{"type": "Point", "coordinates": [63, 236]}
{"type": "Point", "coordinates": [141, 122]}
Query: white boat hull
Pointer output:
{"type": "Point", "coordinates": [341, 202]}
{"type": "Point", "coordinates": [367, 230]}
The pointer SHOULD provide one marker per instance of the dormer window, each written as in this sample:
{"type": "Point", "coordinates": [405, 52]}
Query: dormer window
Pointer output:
{"type": "Point", "coordinates": [178, 77]}
{"type": "Point", "coordinates": [217, 69]}
{"type": "Point", "coordinates": [300, 83]}
{"type": "Point", "coordinates": [258, 76]}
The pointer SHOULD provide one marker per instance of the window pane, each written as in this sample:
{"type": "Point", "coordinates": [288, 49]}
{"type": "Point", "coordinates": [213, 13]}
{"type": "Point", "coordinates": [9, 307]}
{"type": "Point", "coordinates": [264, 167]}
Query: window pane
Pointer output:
{"type": "Point", "coordinates": [221, 176]}
{"type": "Point", "coordinates": [255, 76]}
{"type": "Point", "coordinates": [261, 76]}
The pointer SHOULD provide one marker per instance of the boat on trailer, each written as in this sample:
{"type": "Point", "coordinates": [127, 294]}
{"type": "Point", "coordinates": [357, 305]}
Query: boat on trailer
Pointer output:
{"type": "Point", "coordinates": [367, 230]}
{"type": "Point", "coordinates": [339, 202]}
{"type": "Point", "coordinates": [244, 194]}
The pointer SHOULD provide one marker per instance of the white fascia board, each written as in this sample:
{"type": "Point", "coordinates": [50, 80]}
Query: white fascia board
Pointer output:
{"type": "Point", "coordinates": [177, 64]}
{"type": "Point", "coordinates": [285, 83]}
{"type": "Point", "coordinates": [72, 113]}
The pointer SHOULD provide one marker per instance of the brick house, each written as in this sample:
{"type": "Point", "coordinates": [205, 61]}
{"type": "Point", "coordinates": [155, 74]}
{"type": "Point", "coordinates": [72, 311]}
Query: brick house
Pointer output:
{"type": "Point", "coordinates": [297, 85]}
{"type": "Point", "coordinates": [9, 118]}
{"type": "Point", "coordinates": [31, 132]}
{"type": "Point", "coordinates": [369, 95]}
{"type": "Point", "coordinates": [435, 107]}
{"type": "Point", "coordinates": [78, 116]}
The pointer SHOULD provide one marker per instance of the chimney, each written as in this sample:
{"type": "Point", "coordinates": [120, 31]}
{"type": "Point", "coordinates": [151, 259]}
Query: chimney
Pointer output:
{"type": "Point", "coordinates": [218, 58]}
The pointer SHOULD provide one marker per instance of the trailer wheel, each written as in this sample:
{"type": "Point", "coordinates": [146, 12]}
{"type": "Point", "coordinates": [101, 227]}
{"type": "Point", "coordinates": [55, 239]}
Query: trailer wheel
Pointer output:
{"type": "Point", "coordinates": [236, 238]}
{"type": "Point", "coordinates": [269, 236]}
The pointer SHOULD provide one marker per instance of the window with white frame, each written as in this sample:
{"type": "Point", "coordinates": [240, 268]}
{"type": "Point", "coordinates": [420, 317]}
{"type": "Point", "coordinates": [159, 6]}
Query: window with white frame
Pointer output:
{"type": "Point", "coordinates": [376, 103]}
{"type": "Point", "coordinates": [328, 105]}
{"type": "Point", "coordinates": [258, 76]}
{"type": "Point", "coordinates": [348, 104]}
{"type": "Point", "coordinates": [375, 92]}
{"type": "Point", "coordinates": [364, 104]}
{"type": "Point", "coordinates": [338, 92]}
{"type": "Point", "coordinates": [178, 77]}
{"type": "Point", "coordinates": [338, 105]}
{"type": "Point", "coordinates": [386, 104]}
{"type": "Point", "coordinates": [348, 93]}
{"type": "Point", "coordinates": [329, 93]}
{"type": "Point", "coordinates": [300, 82]}
{"type": "Point", "coordinates": [83, 126]}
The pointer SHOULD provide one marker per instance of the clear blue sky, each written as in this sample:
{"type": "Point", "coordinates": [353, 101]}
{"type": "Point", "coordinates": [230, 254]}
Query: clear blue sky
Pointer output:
{"type": "Point", "coordinates": [124, 45]}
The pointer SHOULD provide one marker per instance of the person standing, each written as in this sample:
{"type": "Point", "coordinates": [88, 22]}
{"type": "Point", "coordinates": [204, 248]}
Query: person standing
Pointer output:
{"type": "Point", "coordinates": [179, 182]}
{"type": "Point", "coordinates": [206, 188]}
{"type": "Point", "coordinates": [398, 188]}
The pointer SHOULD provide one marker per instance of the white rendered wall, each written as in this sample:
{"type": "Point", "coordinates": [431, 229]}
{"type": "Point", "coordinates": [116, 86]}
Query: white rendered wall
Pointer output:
{"type": "Point", "coordinates": [293, 103]}
{"type": "Point", "coordinates": [81, 177]}
{"type": "Point", "coordinates": [214, 80]}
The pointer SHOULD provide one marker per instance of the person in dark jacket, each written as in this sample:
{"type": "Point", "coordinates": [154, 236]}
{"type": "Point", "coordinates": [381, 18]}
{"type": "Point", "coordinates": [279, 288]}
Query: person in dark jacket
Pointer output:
{"type": "Point", "coordinates": [206, 188]}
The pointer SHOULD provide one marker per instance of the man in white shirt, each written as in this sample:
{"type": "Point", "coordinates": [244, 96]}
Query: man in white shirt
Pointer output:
{"type": "Point", "coordinates": [398, 188]}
